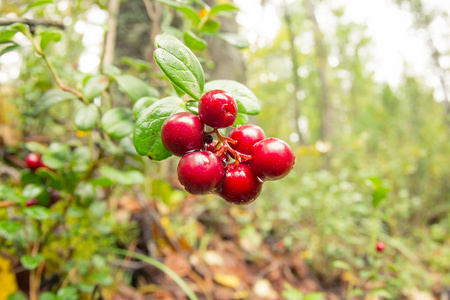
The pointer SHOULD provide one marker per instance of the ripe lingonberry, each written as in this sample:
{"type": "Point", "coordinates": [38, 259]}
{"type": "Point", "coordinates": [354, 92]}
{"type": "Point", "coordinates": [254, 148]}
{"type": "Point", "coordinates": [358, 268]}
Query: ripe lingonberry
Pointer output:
{"type": "Point", "coordinates": [380, 246]}
{"type": "Point", "coordinates": [272, 159]}
{"type": "Point", "coordinates": [240, 185]}
{"type": "Point", "coordinates": [54, 196]}
{"type": "Point", "coordinates": [200, 172]}
{"type": "Point", "coordinates": [223, 157]}
{"type": "Point", "coordinates": [33, 161]}
{"type": "Point", "coordinates": [181, 133]}
{"type": "Point", "coordinates": [217, 109]}
{"type": "Point", "coordinates": [31, 202]}
{"type": "Point", "coordinates": [246, 136]}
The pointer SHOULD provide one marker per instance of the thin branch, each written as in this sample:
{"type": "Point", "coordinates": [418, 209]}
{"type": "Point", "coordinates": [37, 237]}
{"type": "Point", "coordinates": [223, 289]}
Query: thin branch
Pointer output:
{"type": "Point", "coordinates": [29, 22]}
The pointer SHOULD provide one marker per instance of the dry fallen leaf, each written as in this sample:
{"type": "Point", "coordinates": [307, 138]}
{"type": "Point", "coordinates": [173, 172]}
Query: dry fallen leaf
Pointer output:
{"type": "Point", "coordinates": [227, 280]}
{"type": "Point", "coordinates": [264, 290]}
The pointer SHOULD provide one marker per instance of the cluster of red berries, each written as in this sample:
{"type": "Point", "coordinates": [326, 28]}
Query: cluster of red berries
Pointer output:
{"type": "Point", "coordinates": [207, 165]}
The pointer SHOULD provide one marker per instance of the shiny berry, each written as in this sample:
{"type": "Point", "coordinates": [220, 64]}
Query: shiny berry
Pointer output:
{"type": "Point", "coordinates": [217, 109]}
{"type": "Point", "coordinates": [246, 136]}
{"type": "Point", "coordinates": [31, 202]}
{"type": "Point", "coordinates": [33, 161]}
{"type": "Point", "coordinates": [272, 159]}
{"type": "Point", "coordinates": [240, 185]}
{"type": "Point", "coordinates": [181, 133]}
{"type": "Point", "coordinates": [223, 157]}
{"type": "Point", "coordinates": [54, 196]}
{"type": "Point", "coordinates": [200, 172]}
{"type": "Point", "coordinates": [380, 246]}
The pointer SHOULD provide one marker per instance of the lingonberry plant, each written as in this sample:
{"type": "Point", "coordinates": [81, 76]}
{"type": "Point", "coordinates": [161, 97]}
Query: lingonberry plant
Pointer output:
{"type": "Point", "coordinates": [171, 126]}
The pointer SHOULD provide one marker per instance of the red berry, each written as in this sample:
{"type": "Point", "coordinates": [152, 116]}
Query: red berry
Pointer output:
{"type": "Point", "coordinates": [272, 159]}
{"type": "Point", "coordinates": [240, 185]}
{"type": "Point", "coordinates": [217, 109]}
{"type": "Point", "coordinates": [246, 136]}
{"type": "Point", "coordinates": [33, 161]}
{"type": "Point", "coordinates": [380, 246]}
{"type": "Point", "coordinates": [181, 133]}
{"type": "Point", "coordinates": [223, 157]}
{"type": "Point", "coordinates": [54, 196]}
{"type": "Point", "coordinates": [200, 172]}
{"type": "Point", "coordinates": [31, 202]}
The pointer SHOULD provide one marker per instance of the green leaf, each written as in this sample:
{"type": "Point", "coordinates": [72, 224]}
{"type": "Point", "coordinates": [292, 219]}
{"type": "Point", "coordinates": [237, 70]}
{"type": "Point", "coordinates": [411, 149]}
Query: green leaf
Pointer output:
{"type": "Point", "coordinates": [95, 86]}
{"type": "Point", "coordinates": [31, 262]}
{"type": "Point", "coordinates": [241, 119]}
{"type": "Point", "coordinates": [126, 144]}
{"type": "Point", "coordinates": [222, 8]}
{"type": "Point", "coordinates": [50, 98]}
{"type": "Point", "coordinates": [32, 191]}
{"type": "Point", "coordinates": [120, 177]}
{"type": "Point", "coordinates": [378, 195]}
{"type": "Point", "coordinates": [36, 4]}
{"type": "Point", "coordinates": [67, 293]}
{"type": "Point", "coordinates": [57, 156]}
{"type": "Point", "coordinates": [118, 122]}
{"type": "Point", "coordinates": [210, 26]}
{"type": "Point", "coordinates": [10, 48]}
{"type": "Point", "coordinates": [135, 88]}
{"type": "Point", "coordinates": [9, 228]}
{"type": "Point", "coordinates": [7, 34]}
{"type": "Point", "coordinates": [47, 296]}
{"type": "Point", "coordinates": [147, 132]}
{"type": "Point", "coordinates": [36, 147]}
{"type": "Point", "coordinates": [192, 106]}
{"type": "Point", "coordinates": [103, 278]}
{"type": "Point", "coordinates": [86, 117]}
{"type": "Point", "coordinates": [234, 39]}
{"type": "Point", "coordinates": [38, 212]}
{"type": "Point", "coordinates": [98, 208]}
{"type": "Point", "coordinates": [177, 90]}
{"type": "Point", "coordinates": [17, 296]}
{"type": "Point", "coordinates": [180, 65]}
{"type": "Point", "coordinates": [193, 41]}
{"type": "Point", "coordinates": [139, 64]}
{"type": "Point", "coordinates": [315, 296]}
{"type": "Point", "coordinates": [48, 36]}
{"type": "Point", "coordinates": [7, 193]}
{"type": "Point", "coordinates": [141, 105]}
{"type": "Point", "coordinates": [188, 11]}
{"type": "Point", "coordinates": [340, 264]}
{"type": "Point", "coordinates": [247, 102]}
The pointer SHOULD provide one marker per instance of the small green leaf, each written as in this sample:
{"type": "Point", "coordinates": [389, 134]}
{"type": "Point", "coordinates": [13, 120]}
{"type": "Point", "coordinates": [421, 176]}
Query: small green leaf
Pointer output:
{"type": "Point", "coordinates": [32, 191]}
{"type": "Point", "coordinates": [38, 212]}
{"type": "Point", "coordinates": [102, 278]}
{"type": "Point", "coordinates": [188, 11]}
{"type": "Point", "coordinates": [177, 90]}
{"type": "Point", "coordinates": [36, 147]}
{"type": "Point", "coordinates": [47, 296]}
{"type": "Point", "coordinates": [36, 4]}
{"type": "Point", "coordinates": [9, 228]}
{"type": "Point", "coordinates": [222, 8]}
{"type": "Point", "coordinates": [141, 105]}
{"type": "Point", "coordinates": [57, 156]}
{"type": "Point", "coordinates": [31, 262]}
{"type": "Point", "coordinates": [210, 26]}
{"type": "Point", "coordinates": [10, 48]}
{"type": "Point", "coordinates": [234, 39]}
{"type": "Point", "coordinates": [50, 98]}
{"type": "Point", "coordinates": [94, 86]}
{"type": "Point", "coordinates": [192, 106]}
{"type": "Point", "coordinates": [48, 36]}
{"type": "Point", "coordinates": [135, 88]}
{"type": "Point", "coordinates": [139, 64]}
{"type": "Point", "coordinates": [147, 132]}
{"type": "Point", "coordinates": [315, 296]}
{"type": "Point", "coordinates": [86, 117]}
{"type": "Point", "coordinates": [340, 264]}
{"type": "Point", "coordinates": [245, 98]}
{"type": "Point", "coordinates": [378, 195]}
{"type": "Point", "coordinates": [180, 65]}
{"type": "Point", "coordinates": [121, 177]}
{"type": "Point", "coordinates": [7, 193]}
{"type": "Point", "coordinates": [118, 122]}
{"type": "Point", "coordinates": [193, 41]}
{"type": "Point", "coordinates": [17, 296]}
{"type": "Point", "coordinates": [7, 34]}
{"type": "Point", "coordinates": [98, 208]}
{"type": "Point", "coordinates": [241, 119]}
{"type": "Point", "coordinates": [67, 293]}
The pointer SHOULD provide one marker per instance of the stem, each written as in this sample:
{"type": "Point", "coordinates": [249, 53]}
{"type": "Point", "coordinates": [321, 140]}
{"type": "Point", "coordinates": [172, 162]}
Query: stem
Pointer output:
{"type": "Point", "coordinates": [225, 141]}
{"type": "Point", "coordinates": [373, 235]}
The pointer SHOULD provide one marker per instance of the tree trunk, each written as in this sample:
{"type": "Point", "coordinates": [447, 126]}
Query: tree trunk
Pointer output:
{"type": "Point", "coordinates": [110, 39]}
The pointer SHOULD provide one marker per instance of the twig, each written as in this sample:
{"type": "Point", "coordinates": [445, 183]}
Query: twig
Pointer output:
{"type": "Point", "coordinates": [29, 22]}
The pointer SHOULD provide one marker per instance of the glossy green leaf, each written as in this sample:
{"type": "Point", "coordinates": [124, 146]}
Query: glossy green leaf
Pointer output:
{"type": "Point", "coordinates": [7, 193]}
{"type": "Point", "coordinates": [135, 88]}
{"type": "Point", "coordinates": [223, 8]}
{"type": "Point", "coordinates": [185, 9]}
{"type": "Point", "coordinates": [31, 262]}
{"type": "Point", "coordinates": [245, 98]}
{"type": "Point", "coordinates": [193, 41]}
{"type": "Point", "coordinates": [36, 4]}
{"type": "Point", "coordinates": [49, 36]}
{"type": "Point", "coordinates": [86, 117]}
{"type": "Point", "coordinates": [378, 195]}
{"type": "Point", "coordinates": [47, 296]}
{"type": "Point", "coordinates": [9, 228]}
{"type": "Point", "coordinates": [67, 293]}
{"type": "Point", "coordinates": [192, 106]}
{"type": "Point", "coordinates": [180, 65]}
{"type": "Point", "coordinates": [210, 26]}
{"type": "Point", "coordinates": [51, 98]}
{"type": "Point", "coordinates": [10, 48]}
{"type": "Point", "coordinates": [7, 34]}
{"type": "Point", "coordinates": [241, 119]}
{"type": "Point", "coordinates": [36, 147]}
{"type": "Point", "coordinates": [234, 39]}
{"type": "Point", "coordinates": [118, 122]}
{"type": "Point", "coordinates": [141, 105]}
{"type": "Point", "coordinates": [32, 191]}
{"type": "Point", "coordinates": [147, 132]}
{"type": "Point", "coordinates": [121, 177]}
{"type": "Point", "coordinates": [94, 86]}
{"type": "Point", "coordinates": [38, 212]}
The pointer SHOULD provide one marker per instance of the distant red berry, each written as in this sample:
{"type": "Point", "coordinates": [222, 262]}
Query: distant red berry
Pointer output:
{"type": "Point", "coordinates": [272, 159]}
{"type": "Point", "coordinates": [31, 202]}
{"type": "Point", "coordinates": [380, 246]}
{"type": "Point", "coordinates": [246, 136]}
{"type": "Point", "coordinates": [33, 161]}
{"type": "Point", "coordinates": [217, 109]}
{"type": "Point", "coordinates": [200, 172]}
{"type": "Point", "coordinates": [181, 133]}
{"type": "Point", "coordinates": [240, 185]}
